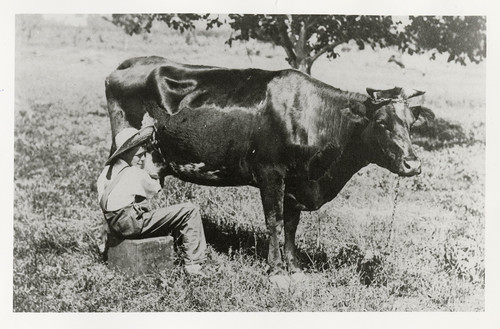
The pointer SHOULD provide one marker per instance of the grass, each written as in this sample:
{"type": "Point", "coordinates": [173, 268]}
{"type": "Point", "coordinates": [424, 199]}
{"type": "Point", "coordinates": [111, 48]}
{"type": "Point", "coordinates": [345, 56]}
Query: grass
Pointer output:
{"type": "Point", "coordinates": [434, 260]}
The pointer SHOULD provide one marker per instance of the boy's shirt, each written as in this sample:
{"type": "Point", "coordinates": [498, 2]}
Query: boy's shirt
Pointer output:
{"type": "Point", "coordinates": [134, 181]}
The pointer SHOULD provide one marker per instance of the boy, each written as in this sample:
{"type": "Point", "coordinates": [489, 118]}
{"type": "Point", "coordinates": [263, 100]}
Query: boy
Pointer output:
{"type": "Point", "coordinates": [125, 186]}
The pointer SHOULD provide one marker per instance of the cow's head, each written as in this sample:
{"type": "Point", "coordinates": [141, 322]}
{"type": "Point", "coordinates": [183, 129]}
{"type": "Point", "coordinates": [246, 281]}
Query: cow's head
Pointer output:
{"type": "Point", "coordinates": [387, 135]}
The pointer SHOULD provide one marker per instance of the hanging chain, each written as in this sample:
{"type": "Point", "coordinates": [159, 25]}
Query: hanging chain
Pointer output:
{"type": "Point", "coordinates": [393, 216]}
{"type": "Point", "coordinates": [318, 240]}
{"type": "Point", "coordinates": [391, 224]}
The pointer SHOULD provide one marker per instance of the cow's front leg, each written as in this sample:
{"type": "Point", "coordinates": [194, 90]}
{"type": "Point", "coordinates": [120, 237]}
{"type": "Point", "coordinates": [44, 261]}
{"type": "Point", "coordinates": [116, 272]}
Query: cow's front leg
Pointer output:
{"type": "Point", "coordinates": [272, 188]}
{"type": "Point", "coordinates": [291, 214]}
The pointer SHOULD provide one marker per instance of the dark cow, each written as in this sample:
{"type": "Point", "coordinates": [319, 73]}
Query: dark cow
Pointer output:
{"type": "Point", "coordinates": [295, 138]}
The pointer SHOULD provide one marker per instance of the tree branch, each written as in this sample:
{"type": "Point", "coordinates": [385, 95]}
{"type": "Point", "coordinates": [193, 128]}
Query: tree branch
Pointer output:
{"type": "Point", "coordinates": [286, 43]}
{"type": "Point", "coordinates": [325, 49]}
{"type": "Point", "coordinates": [310, 23]}
{"type": "Point", "coordinates": [289, 26]}
{"type": "Point", "coordinates": [300, 47]}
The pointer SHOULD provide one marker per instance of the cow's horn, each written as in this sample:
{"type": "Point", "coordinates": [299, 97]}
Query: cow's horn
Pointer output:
{"type": "Point", "coordinates": [409, 93]}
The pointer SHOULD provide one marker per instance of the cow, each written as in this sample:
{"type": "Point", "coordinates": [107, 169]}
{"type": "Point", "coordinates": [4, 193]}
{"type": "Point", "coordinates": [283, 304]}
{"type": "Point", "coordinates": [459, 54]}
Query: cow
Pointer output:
{"type": "Point", "coordinates": [298, 140]}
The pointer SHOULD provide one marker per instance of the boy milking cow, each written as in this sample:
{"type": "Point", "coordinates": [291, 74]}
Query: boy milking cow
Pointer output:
{"type": "Point", "coordinates": [125, 188]}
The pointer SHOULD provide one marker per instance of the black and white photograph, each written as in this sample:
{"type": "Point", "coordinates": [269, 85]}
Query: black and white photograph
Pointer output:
{"type": "Point", "coordinates": [250, 161]}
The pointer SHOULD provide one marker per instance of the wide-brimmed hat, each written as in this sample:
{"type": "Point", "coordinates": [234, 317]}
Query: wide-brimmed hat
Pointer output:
{"type": "Point", "coordinates": [129, 138]}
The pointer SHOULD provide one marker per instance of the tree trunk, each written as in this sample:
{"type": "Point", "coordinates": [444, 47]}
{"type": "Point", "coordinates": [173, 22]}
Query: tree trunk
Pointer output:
{"type": "Point", "coordinates": [297, 57]}
{"type": "Point", "coordinates": [305, 65]}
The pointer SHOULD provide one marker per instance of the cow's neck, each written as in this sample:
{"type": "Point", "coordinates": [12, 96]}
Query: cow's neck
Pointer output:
{"type": "Point", "coordinates": [310, 193]}
{"type": "Point", "coordinates": [336, 131]}
{"type": "Point", "coordinates": [341, 171]}
{"type": "Point", "coordinates": [330, 165]}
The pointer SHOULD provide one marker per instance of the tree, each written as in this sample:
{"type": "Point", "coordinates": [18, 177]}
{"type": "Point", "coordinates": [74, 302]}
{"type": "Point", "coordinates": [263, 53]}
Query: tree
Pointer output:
{"type": "Point", "coordinates": [142, 23]}
{"type": "Point", "coordinates": [461, 37]}
{"type": "Point", "coordinates": [305, 38]}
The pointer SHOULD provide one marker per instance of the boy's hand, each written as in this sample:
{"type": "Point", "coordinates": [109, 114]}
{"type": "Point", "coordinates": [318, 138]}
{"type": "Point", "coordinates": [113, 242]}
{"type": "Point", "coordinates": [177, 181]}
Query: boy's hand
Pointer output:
{"type": "Point", "coordinates": [151, 168]}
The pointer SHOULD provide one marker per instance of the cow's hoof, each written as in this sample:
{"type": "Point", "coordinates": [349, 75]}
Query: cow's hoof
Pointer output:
{"type": "Point", "coordinates": [298, 277]}
{"type": "Point", "coordinates": [280, 281]}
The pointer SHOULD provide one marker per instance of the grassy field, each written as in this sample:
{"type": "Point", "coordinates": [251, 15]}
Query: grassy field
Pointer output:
{"type": "Point", "coordinates": [433, 262]}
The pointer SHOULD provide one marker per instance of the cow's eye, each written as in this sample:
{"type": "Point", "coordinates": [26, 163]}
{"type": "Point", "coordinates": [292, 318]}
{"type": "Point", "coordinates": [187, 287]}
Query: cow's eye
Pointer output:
{"type": "Point", "coordinates": [381, 123]}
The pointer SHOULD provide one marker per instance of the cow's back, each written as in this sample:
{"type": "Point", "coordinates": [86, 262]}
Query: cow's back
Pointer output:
{"type": "Point", "coordinates": [227, 121]}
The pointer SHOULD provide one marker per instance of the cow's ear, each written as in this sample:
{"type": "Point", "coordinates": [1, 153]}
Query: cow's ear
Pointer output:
{"type": "Point", "coordinates": [355, 114]}
{"type": "Point", "coordinates": [358, 109]}
{"type": "Point", "coordinates": [169, 87]}
{"type": "Point", "coordinates": [419, 111]}
{"type": "Point", "coordinates": [374, 93]}
{"type": "Point", "coordinates": [366, 109]}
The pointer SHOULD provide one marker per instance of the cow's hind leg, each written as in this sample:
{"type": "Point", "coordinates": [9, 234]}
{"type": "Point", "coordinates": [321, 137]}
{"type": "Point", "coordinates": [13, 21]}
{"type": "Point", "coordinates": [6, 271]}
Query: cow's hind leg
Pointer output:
{"type": "Point", "coordinates": [272, 188]}
{"type": "Point", "coordinates": [117, 117]}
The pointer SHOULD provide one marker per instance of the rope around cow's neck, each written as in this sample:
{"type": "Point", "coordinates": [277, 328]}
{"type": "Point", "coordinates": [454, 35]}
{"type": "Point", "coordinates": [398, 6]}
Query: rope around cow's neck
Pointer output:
{"type": "Point", "coordinates": [391, 223]}
{"type": "Point", "coordinates": [393, 216]}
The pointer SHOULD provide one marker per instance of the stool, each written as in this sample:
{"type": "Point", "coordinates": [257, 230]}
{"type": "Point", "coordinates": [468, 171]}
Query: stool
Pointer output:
{"type": "Point", "coordinates": [140, 256]}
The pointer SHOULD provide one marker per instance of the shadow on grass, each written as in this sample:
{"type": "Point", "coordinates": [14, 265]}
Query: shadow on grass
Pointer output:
{"type": "Point", "coordinates": [228, 236]}
{"type": "Point", "coordinates": [440, 133]}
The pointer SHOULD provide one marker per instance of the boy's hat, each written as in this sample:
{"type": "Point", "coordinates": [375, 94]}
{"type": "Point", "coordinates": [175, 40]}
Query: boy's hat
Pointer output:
{"type": "Point", "coordinates": [129, 138]}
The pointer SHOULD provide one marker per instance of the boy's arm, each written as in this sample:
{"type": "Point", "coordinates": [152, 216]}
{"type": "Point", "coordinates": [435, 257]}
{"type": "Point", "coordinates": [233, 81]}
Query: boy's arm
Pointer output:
{"type": "Point", "coordinates": [153, 170]}
{"type": "Point", "coordinates": [151, 186]}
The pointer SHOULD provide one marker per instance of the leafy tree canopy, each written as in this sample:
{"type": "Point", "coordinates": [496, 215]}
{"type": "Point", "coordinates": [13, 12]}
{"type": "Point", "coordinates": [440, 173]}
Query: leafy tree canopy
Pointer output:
{"type": "Point", "coordinates": [307, 37]}
{"type": "Point", "coordinates": [461, 37]}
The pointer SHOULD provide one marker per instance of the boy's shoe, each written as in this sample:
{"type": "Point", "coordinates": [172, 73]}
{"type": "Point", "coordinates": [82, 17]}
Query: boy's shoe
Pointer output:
{"type": "Point", "coordinates": [195, 270]}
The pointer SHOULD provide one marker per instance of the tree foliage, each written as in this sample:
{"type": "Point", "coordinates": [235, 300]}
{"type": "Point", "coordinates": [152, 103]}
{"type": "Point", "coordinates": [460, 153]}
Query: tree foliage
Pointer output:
{"type": "Point", "coordinates": [141, 23]}
{"type": "Point", "coordinates": [307, 37]}
{"type": "Point", "coordinates": [461, 37]}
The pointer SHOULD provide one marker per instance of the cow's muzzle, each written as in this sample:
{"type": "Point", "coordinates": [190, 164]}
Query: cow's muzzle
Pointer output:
{"type": "Point", "coordinates": [410, 167]}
